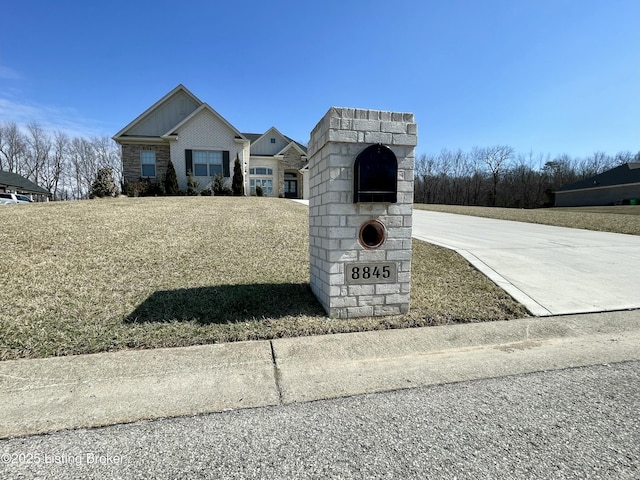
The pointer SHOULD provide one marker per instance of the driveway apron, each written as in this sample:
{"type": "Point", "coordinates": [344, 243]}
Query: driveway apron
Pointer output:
{"type": "Point", "coordinates": [550, 270]}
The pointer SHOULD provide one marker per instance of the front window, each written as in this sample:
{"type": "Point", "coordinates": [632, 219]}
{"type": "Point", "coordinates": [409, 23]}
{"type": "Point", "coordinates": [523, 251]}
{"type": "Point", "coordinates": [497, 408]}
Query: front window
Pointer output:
{"type": "Point", "coordinates": [261, 177]}
{"type": "Point", "coordinates": [265, 183]}
{"type": "Point", "coordinates": [148, 163]}
{"type": "Point", "coordinates": [207, 163]}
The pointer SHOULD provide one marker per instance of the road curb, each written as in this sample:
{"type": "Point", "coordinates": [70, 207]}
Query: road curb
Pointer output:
{"type": "Point", "coordinates": [44, 395]}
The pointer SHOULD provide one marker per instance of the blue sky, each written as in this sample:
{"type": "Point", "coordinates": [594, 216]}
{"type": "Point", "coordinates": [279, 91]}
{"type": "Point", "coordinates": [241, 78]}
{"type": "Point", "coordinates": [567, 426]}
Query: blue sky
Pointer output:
{"type": "Point", "coordinates": [548, 76]}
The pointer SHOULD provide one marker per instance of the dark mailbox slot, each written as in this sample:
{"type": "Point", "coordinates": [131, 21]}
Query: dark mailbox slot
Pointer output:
{"type": "Point", "coordinates": [376, 173]}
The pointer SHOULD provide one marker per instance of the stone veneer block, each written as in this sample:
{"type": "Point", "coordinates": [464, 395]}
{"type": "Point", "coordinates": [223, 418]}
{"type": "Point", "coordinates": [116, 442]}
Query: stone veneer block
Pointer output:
{"type": "Point", "coordinates": [335, 220]}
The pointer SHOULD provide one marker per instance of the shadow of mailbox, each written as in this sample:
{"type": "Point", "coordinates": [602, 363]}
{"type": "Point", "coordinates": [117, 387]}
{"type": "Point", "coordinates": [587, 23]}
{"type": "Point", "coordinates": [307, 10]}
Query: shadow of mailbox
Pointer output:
{"type": "Point", "coordinates": [376, 175]}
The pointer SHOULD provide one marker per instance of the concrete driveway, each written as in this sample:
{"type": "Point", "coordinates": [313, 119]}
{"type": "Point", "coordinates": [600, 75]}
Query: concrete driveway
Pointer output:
{"type": "Point", "coordinates": [550, 270]}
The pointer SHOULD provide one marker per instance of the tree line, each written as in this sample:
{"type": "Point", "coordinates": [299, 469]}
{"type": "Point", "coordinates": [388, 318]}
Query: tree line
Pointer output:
{"type": "Point", "coordinates": [490, 176]}
{"type": "Point", "coordinates": [66, 167]}
{"type": "Point", "coordinates": [498, 176]}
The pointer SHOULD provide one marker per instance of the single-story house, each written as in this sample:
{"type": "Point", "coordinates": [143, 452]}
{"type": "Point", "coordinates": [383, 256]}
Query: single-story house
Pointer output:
{"type": "Point", "coordinates": [199, 141]}
{"type": "Point", "coordinates": [618, 185]}
{"type": "Point", "coordinates": [13, 183]}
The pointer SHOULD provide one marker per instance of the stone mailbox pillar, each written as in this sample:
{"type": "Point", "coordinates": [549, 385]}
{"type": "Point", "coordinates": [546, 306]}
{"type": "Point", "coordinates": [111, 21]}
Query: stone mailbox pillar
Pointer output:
{"type": "Point", "coordinates": [360, 207]}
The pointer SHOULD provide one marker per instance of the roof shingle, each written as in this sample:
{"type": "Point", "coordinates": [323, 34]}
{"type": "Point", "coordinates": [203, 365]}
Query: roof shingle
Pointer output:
{"type": "Point", "coordinates": [624, 174]}
{"type": "Point", "coordinates": [18, 182]}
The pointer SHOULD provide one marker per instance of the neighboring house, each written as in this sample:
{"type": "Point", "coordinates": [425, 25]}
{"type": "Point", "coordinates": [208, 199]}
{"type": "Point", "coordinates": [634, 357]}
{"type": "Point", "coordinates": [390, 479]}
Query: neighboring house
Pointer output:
{"type": "Point", "coordinates": [14, 183]}
{"type": "Point", "coordinates": [199, 140]}
{"type": "Point", "coordinates": [616, 186]}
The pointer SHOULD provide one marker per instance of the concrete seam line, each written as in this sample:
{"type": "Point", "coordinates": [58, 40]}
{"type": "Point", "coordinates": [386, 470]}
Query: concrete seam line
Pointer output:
{"type": "Point", "coordinates": [276, 372]}
{"type": "Point", "coordinates": [532, 305]}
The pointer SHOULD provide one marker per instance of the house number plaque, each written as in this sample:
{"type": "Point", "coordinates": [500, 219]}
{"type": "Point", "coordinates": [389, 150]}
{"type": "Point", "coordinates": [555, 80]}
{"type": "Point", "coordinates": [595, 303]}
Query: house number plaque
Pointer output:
{"type": "Point", "coordinates": [366, 273]}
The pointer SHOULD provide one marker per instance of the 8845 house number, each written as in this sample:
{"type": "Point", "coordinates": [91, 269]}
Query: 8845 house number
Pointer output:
{"type": "Point", "coordinates": [359, 273]}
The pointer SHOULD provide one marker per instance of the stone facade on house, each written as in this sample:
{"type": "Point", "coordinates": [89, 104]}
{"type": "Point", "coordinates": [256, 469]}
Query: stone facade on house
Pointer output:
{"type": "Point", "coordinates": [186, 130]}
{"type": "Point", "coordinates": [291, 163]}
{"type": "Point", "coordinates": [335, 220]}
{"type": "Point", "coordinates": [131, 169]}
{"type": "Point", "coordinates": [293, 160]}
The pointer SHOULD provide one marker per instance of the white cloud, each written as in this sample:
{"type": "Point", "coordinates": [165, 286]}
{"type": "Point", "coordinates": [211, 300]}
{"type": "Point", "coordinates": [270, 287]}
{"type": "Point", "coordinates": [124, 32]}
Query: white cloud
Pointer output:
{"type": "Point", "coordinates": [50, 118]}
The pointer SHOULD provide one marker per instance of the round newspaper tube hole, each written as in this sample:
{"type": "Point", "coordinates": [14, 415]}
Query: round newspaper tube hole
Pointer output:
{"type": "Point", "coordinates": [372, 234]}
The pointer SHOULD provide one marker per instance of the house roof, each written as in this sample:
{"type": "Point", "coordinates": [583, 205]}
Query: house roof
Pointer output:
{"type": "Point", "coordinates": [301, 146]}
{"type": "Point", "coordinates": [296, 146]}
{"type": "Point", "coordinates": [19, 183]}
{"type": "Point", "coordinates": [137, 130]}
{"type": "Point", "coordinates": [621, 175]}
{"type": "Point", "coordinates": [253, 137]}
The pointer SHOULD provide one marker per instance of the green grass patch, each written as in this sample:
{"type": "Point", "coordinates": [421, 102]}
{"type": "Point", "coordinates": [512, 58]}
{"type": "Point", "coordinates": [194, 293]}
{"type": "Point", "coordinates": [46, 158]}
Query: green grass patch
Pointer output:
{"type": "Point", "coordinates": [618, 219]}
{"type": "Point", "coordinates": [103, 275]}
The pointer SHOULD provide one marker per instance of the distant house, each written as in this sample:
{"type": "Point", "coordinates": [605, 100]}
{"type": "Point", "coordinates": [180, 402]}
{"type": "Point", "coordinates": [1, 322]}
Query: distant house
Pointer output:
{"type": "Point", "coordinates": [618, 185]}
{"type": "Point", "coordinates": [12, 182]}
{"type": "Point", "coordinates": [198, 140]}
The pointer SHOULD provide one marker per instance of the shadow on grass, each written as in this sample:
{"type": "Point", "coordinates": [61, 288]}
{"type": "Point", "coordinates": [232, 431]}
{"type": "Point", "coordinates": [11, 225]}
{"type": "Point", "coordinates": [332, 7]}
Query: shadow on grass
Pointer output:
{"type": "Point", "coordinates": [228, 304]}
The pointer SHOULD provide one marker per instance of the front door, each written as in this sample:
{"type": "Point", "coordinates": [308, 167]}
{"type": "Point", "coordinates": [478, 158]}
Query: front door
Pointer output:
{"type": "Point", "coordinates": [291, 188]}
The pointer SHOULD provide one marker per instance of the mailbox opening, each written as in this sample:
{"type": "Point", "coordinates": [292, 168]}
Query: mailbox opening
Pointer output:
{"type": "Point", "coordinates": [372, 234]}
{"type": "Point", "coordinates": [376, 175]}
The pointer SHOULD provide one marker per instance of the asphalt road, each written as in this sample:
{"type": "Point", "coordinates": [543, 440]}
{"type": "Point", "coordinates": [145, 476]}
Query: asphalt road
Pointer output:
{"type": "Point", "coordinates": [573, 423]}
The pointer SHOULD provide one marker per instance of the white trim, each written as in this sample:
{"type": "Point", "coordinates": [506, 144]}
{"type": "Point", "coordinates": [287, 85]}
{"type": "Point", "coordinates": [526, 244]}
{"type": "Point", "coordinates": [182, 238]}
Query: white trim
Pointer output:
{"type": "Point", "coordinates": [144, 140]}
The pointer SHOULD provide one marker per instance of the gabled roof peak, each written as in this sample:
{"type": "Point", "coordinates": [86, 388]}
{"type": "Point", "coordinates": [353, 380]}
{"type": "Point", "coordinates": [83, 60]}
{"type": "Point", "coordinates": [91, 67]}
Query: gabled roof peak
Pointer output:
{"type": "Point", "coordinates": [149, 111]}
{"type": "Point", "coordinates": [255, 137]}
{"type": "Point", "coordinates": [197, 111]}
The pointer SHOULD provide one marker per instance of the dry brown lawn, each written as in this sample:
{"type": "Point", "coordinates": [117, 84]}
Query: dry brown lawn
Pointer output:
{"type": "Point", "coordinates": [102, 275]}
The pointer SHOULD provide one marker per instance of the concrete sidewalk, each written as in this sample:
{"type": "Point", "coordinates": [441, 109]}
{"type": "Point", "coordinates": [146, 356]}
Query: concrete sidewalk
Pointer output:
{"type": "Point", "coordinates": [44, 395]}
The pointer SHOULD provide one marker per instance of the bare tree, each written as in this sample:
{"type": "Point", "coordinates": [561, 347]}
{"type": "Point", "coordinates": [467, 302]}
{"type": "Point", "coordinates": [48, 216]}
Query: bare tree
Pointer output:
{"type": "Point", "coordinates": [12, 148]}
{"type": "Point", "coordinates": [425, 171]}
{"type": "Point", "coordinates": [520, 182]}
{"type": "Point", "coordinates": [458, 161]}
{"type": "Point", "coordinates": [53, 173]}
{"type": "Point", "coordinates": [476, 177]}
{"type": "Point", "coordinates": [37, 153]}
{"type": "Point", "coordinates": [594, 165]}
{"type": "Point", "coordinates": [84, 166]}
{"type": "Point", "coordinates": [624, 157]}
{"type": "Point", "coordinates": [496, 159]}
